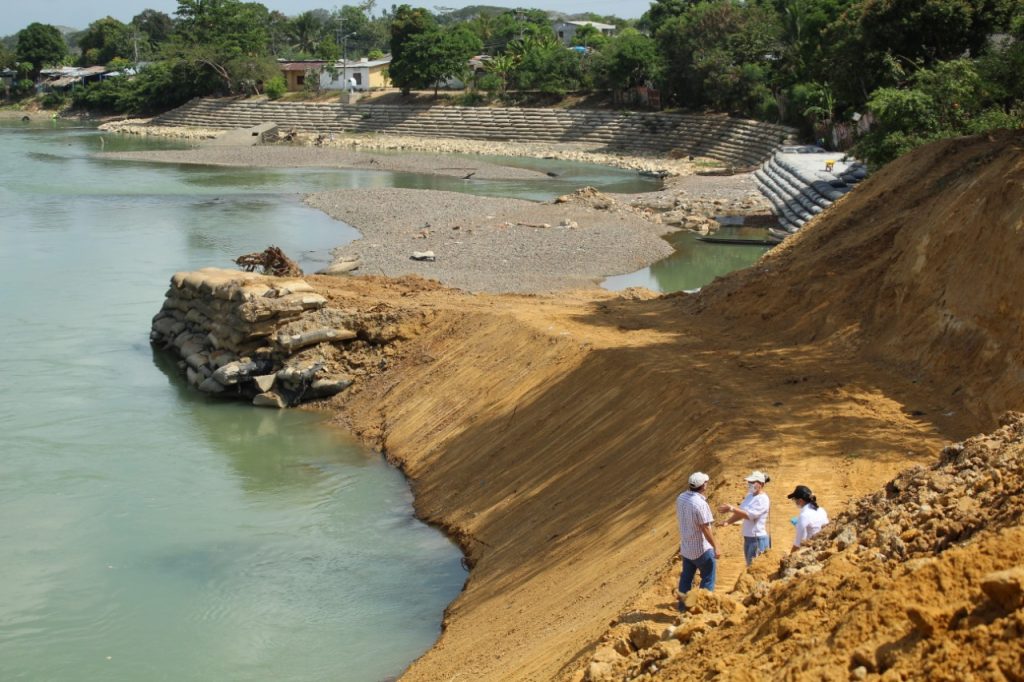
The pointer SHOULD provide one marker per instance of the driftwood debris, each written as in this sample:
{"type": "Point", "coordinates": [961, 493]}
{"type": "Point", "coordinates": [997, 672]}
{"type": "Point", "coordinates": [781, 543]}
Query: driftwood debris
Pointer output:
{"type": "Point", "coordinates": [270, 261]}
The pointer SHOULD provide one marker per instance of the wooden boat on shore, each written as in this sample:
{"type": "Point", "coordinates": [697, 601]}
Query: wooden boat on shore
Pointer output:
{"type": "Point", "coordinates": [736, 240]}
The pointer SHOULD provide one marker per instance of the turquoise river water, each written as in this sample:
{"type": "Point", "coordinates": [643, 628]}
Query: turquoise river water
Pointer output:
{"type": "Point", "coordinates": [148, 533]}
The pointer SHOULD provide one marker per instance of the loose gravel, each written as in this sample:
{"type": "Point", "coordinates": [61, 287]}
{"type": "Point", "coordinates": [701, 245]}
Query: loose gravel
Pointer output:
{"type": "Point", "coordinates": [491, 244]}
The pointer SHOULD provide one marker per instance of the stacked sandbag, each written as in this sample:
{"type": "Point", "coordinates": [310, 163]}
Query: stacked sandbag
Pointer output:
{"type": "Point", "coordinates": [237, 333]}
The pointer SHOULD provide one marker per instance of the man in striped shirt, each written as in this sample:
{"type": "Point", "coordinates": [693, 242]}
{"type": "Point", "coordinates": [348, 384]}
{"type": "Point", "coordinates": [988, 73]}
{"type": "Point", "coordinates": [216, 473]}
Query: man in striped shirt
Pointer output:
{"type": "Point", "coordinates": [697, 544]}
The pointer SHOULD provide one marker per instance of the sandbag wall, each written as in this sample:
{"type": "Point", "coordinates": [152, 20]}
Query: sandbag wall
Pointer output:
{"type": "Point", "coordinates": [252, 337]}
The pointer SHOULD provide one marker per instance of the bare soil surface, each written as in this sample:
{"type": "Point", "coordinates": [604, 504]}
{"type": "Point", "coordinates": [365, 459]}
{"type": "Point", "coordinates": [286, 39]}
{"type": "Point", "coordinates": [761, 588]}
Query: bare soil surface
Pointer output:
{"type": "Point", "coordinates": [549, 435]}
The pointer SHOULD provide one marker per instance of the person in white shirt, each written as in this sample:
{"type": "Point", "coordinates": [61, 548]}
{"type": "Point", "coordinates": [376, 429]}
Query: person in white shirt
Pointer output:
{"type": "Point", "coordinates": [811, 518]}
{"type": "Point", "coordinates": [697, 545]}
{"type": "Point", "coordinates": [753, 513]}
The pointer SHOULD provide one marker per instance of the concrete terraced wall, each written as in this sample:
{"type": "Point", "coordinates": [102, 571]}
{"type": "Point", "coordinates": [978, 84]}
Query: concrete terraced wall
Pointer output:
{"type": "Point", "coordinates": [734, 141]}
{"type": "Point", "coordinates": [799, 187]}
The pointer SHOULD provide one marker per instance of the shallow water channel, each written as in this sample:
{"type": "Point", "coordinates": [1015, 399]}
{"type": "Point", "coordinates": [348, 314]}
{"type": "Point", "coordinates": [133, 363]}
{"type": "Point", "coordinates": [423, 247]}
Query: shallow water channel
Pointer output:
{"type": "Point", "coordinates": [148, 533]}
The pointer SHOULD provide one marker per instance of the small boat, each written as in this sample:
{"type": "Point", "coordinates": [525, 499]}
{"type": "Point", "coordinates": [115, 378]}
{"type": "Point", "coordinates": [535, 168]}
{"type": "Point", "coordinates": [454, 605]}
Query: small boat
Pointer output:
{"type": "Point", "coordinates": [733, 240]}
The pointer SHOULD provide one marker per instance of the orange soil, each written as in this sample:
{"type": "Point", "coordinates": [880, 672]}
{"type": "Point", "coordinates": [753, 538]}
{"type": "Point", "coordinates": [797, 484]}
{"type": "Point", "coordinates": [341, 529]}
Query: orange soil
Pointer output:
{"type": "Point", "coordinates": [550, 435]}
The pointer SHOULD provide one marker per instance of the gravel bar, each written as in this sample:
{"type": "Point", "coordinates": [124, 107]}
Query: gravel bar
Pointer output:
{"type": "Point", "coordinates": [492, 244]}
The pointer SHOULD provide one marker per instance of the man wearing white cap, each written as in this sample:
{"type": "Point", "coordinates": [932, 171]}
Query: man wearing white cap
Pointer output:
{"type": "Point", "coordinates": [697, 544]}
{"type": "Point", "coordinates": [753, 512]}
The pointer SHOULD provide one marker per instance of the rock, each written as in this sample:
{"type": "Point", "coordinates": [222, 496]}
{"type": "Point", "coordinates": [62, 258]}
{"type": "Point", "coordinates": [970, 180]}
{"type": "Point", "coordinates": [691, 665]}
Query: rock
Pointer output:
{"type": "Point", "coordinates": [689, 628]}
{"type": "Point", "coordinates": [846, 537]}
{"type": "Point", "coordinates": [423, 255]}
{"type": "Point", "coordinates": [571, 224]}
{"type": "Point", "coordinates": [269, 399]}
{"type": "Point", "coordinates": [341, 267]}
{"type": "Point", "coordinates": [264, 382]}
{"type": "Point", "coordinates": [325, 388]}
{"type": "Point", "coordinates": [1005, 588]}
{"type": "Point", "coordinates": [211, 385]}
{"type": "Point", "coordinates": [859, 673]}
{"type": "Point", "coordinates": [233, 372]}
{"type": "Point", "coordinates": [644, 635]}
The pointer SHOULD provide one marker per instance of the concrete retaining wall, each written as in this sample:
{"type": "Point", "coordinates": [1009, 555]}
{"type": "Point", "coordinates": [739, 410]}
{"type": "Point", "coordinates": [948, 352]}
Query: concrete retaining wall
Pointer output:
{"type": "Point", "coordinates": [798, 186]}
{"type": "Point", "coordinates": [735, 141]}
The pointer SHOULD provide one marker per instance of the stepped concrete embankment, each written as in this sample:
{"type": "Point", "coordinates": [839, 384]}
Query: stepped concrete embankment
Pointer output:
{"type": "Point", "coordinates": [801, 182]}
{"type": "Point", "coordinates": [733, 141]}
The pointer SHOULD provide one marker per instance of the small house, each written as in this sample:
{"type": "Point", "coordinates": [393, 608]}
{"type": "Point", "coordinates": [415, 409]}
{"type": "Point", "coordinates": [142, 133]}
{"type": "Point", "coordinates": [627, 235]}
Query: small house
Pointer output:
{"type": "Point", "coordinates": [566, 30]}
{"type": "Point", "coordinates": [299, 75]}
{"type": "Point", "coordinates": [362, 75]}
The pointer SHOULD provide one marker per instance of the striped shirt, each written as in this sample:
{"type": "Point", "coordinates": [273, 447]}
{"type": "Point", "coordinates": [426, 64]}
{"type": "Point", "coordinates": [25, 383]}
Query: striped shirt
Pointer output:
{"type": "Point", "coordinates": [692, 512]}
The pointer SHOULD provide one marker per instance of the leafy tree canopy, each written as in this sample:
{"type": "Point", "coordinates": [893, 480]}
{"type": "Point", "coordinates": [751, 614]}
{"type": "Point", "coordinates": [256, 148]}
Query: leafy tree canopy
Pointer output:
{"type": "Point", "coordinates": [104, 40]}
{"type": "Point", "coordinates": [40, 45]}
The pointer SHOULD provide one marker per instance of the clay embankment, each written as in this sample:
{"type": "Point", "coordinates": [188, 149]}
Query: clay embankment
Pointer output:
{"type": "Point", "coordinates": [551, 435]}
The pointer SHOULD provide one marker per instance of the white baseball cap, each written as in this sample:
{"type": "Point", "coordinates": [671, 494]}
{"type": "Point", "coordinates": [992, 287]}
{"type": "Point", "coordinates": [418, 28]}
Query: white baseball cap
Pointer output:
{"type": "Point", "coordinates": [698, 479]}
{"type": "Point", "coordinates": [757, 476]}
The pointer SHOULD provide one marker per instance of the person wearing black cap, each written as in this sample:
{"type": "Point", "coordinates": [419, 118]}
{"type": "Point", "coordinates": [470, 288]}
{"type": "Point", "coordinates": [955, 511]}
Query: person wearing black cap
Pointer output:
{"type": "Point", "coordinates": [811, 518]}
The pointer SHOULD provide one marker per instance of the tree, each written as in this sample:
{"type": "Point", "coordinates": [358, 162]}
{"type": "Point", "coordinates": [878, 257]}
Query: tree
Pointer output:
{"type": "Point", "coordinates": [431, 57]}
{"type": "Point", "coordinates": [306, 31]}
{"type": "Point", "coordinates": [155, 27]}
{"type": "Point", "coordinates": [408, 22]}
{"type": "Point", "coordinates": [225, 40]}
{"type": "Point", "coordinates": [545, 64]}
{"type": "Point", "coordinates": [39, 45]}
{"type": "Point", "coordinates": [104, 40]}
{"type": "Point", "coordinates": [588, 36]}
{"type": "Point", "coordinates": [631, 58]}
{"type": "Point", "coordinates": [719, 54]}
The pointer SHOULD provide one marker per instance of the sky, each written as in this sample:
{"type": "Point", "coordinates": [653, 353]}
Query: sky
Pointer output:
{"type": "Point", "coordinates": [79, 13]}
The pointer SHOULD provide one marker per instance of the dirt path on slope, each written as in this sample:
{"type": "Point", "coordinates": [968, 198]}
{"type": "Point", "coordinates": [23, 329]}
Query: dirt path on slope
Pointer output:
{"type": "Point", "coordinates": [551, 436]}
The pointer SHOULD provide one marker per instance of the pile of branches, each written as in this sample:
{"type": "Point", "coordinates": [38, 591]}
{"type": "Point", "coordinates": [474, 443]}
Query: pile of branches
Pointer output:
{"type": "Point", "coordinates": [270, 261]}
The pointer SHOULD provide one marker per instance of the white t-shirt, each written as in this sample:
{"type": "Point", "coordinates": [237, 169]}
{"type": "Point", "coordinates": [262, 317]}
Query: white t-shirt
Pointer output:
{"type": "Point", "coordinates": [809, 523]}
{"type": "Point", "coordinates": [756, 506]}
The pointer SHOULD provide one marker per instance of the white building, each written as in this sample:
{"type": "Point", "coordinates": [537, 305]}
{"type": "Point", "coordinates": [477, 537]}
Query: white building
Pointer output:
{"type": "Point", "coordinates": [565, 30]}
{"type": "Point", "coordinates": [361, 75]}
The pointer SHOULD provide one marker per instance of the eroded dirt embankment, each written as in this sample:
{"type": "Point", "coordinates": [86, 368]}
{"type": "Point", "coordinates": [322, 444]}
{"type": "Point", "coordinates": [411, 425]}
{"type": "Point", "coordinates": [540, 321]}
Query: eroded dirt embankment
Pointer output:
{"type": "Point", "coordinates": [551, 435]}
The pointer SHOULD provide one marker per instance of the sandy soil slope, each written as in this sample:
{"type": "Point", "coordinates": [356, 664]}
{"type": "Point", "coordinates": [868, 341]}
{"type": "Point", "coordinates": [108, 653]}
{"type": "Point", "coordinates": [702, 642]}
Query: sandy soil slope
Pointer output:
{"type": "Point", "coordinates": [550, 435]}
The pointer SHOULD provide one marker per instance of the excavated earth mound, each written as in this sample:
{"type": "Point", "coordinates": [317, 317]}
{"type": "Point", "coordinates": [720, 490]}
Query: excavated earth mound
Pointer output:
{"type": "Point", "coordinates": [920, 267]}
{"type": "Point", "coordinates": [550, 435]}
{"type": "Point", "coordinates": [922, 580]}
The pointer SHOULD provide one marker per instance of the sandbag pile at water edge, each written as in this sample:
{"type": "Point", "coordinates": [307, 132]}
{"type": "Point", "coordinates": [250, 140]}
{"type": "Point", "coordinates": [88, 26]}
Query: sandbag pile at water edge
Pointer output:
{"type": "Point", "coordinates": [235, 333]}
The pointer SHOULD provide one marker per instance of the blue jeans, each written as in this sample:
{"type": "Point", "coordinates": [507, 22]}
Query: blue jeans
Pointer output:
{"type": "Point", "coordinates": [755, 546]}
{"type": "Point", "coordinates": [705, 563]}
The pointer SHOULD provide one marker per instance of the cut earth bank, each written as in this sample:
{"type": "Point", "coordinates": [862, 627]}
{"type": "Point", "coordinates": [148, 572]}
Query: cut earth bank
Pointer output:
{"type": "Point", "coordinates": [550, 434]}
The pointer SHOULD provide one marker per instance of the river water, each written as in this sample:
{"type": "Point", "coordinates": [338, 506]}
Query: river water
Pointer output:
{"type": "Point", "coordinates": [150, 533]}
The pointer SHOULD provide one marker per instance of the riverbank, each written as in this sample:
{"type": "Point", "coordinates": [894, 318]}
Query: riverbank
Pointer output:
{"type": "Point", "coordinates": [369, 142]}
{"type": "Point", "coordinates": [289, 156]}
{"type": "Point", "coordinates": [550, 435]}
{"type": "Point", "coordinates": [493, 244]}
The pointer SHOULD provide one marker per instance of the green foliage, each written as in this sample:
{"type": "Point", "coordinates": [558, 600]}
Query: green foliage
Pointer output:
{"type": "Point", "coordinates": [544, 64]}
{"type": "Point", "coordinates": [374, 54]}
{"type": "Point", "coordinates": [406, 71]}
{"type": "Point", "coordinates": [226, 41]}
{"type": "Point", "coordinates": [155, 27]}
{"type": "Point", "coordinates": [40, 45]}
{"type": "Point", "coordinates": [432, 57]}
{"type": "Point", "coordinates": [54, 100]}
{"type": "Point", "coordinates": [717, 53]}
{"type": "Point", "coordinates": [630, 58]}
{"type": "Point", "coordinates": [7, 57]}
{"type": "Point", "coordinates": [588, 36]}
{"type": "Point", "coordinates": [276, 87]}
{"type": "Point", "coordinates": [104, 40]}
{"type": "Point", "coordinates": [948, 99]}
